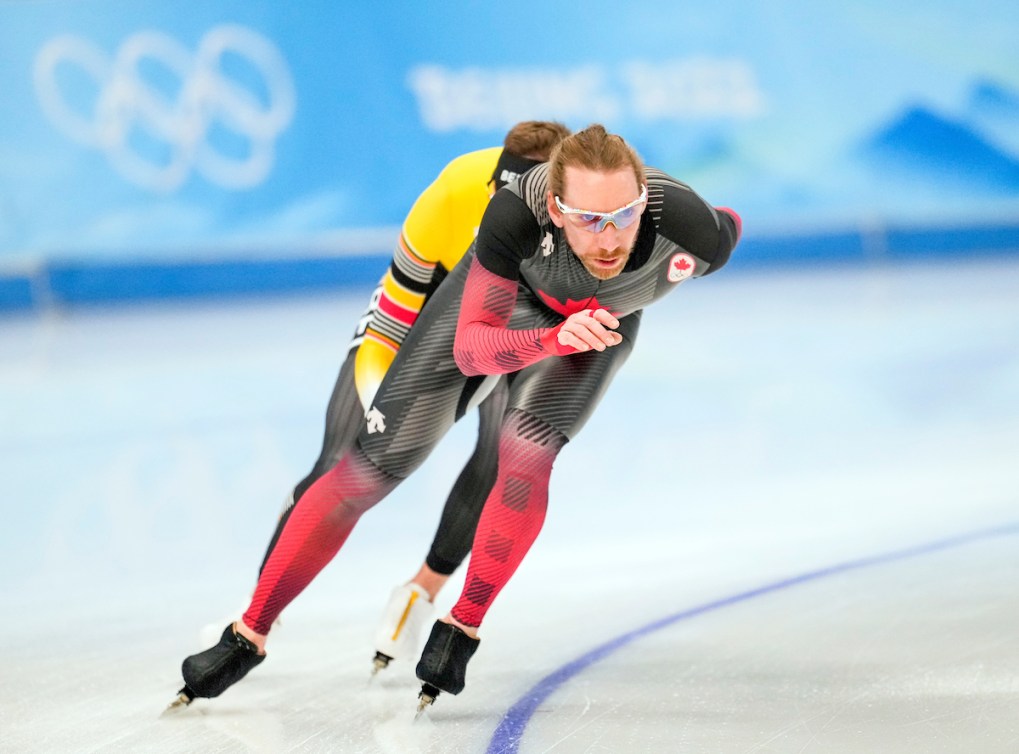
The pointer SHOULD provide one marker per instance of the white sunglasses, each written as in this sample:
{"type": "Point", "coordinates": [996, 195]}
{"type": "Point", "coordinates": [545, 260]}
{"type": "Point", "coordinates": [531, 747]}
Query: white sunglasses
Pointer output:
{"type": "Point", "coordinates": [596, 222]}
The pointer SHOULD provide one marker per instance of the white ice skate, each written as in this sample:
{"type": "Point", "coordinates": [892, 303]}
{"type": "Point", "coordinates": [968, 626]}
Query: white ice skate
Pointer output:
{"type": "Point", "coordinates": [407, 614]}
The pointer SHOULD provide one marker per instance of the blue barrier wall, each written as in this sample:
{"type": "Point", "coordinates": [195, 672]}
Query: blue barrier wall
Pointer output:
{"type": "Point", "coordinates": [147, 151]}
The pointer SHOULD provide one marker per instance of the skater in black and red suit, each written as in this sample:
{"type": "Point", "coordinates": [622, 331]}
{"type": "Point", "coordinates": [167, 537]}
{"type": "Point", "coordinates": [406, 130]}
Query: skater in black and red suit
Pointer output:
{"type": "Point", "coordinates": [551, 295]}
{"type": "Point", "coordinates": [437, 232]}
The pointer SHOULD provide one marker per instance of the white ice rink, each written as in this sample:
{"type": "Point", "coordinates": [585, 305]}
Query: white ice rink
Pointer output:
{"type": "Point", "coordinates": [792, 526]}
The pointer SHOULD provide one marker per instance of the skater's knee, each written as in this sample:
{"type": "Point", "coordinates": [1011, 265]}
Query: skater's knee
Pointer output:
{"type": "Point", "coordinates": [357, 483]}
{"type": "Point", "coordinates": [528, 439]}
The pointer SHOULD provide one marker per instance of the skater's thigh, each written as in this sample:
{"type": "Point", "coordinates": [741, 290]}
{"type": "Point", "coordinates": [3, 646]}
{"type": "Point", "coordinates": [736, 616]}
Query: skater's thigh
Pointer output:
{"type": "Point", "coordinates": [344, 415]}
{"type": "Point", "coordinates": [563, 391]}
{"type": "Point", "coordinates": [423, 393]}
{"type": "Point", "coordinates": [492, 409]}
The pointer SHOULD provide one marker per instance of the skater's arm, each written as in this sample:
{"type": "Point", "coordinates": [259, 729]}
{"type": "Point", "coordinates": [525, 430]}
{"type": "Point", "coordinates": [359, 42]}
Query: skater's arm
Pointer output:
{"type": "Point", "coordinates": [710, 233]}
{"type": "Point", "coordinates": [485, 345]}
{"type": "Point", "coordinates": [436, 233]}
{"type": "Point", "coordinates": [509, 234]}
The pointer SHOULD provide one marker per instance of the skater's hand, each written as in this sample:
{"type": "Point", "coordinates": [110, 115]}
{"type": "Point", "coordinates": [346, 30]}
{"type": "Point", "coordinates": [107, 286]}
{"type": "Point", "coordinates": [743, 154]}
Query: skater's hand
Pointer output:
{"type": "Point", "coordinates": [589, 329]}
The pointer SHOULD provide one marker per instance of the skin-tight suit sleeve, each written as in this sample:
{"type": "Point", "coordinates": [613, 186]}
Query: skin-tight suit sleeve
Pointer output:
{"type": "Point", "coordinates": [484, 345]}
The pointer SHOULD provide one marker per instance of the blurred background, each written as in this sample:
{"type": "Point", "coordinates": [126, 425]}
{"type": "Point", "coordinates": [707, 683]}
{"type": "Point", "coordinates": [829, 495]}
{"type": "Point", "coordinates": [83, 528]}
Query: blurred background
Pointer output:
{"type": "Point", "coordinates": [152, 151]}
{"type": "Point", "coordinates": [195, 202]}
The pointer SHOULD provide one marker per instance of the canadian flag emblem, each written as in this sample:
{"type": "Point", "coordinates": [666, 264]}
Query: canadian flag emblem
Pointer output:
{"type": "Point", "coordinates": [681, 266]}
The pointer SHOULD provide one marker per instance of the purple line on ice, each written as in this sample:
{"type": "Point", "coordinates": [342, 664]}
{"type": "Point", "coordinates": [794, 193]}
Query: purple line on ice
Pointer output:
{"type": "Point", "coordinates": [510, 731]}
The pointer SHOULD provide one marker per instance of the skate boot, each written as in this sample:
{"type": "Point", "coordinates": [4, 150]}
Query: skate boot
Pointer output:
{"type": "Point", "coordinates": [208, 674]}
{"type": "Point", "coordinates": [406, 615]}
{"type": "Point", "coordinates": [443, 664]}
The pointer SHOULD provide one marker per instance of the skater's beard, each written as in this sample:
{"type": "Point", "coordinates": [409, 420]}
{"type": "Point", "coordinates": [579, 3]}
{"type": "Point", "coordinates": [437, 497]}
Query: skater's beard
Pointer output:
{"type": "Point", "coordinates": [605, 264]}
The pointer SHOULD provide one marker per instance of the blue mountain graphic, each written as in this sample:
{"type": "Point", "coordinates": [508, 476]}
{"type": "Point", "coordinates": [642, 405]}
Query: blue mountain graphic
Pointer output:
{"type": "Point", "coordinates": [993, 111]}
{"type": "Point", "coordinates": [990, 98]}
{"type": "Point", "coordinates": [928, 146]}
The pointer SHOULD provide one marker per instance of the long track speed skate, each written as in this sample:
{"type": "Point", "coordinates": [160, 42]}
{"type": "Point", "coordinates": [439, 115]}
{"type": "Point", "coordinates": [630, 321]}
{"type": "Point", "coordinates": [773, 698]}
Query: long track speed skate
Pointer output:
{"type": "Point", "coordinates": [208, 674]}
{"type": "Point", "coordinates": [443, 664]}
{"type": "Point", "coordinates": [407, 613]}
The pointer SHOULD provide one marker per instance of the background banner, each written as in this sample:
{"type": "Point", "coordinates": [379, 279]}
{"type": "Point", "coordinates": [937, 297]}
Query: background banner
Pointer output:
{"type": "Point", "coordinates": [156, 131]}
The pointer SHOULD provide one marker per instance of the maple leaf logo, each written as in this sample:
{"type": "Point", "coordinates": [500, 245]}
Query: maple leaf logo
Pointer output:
{"type": "Point", "coordinates": [681, 267]}
{"type": "Point", "coordinates": [571, 306]}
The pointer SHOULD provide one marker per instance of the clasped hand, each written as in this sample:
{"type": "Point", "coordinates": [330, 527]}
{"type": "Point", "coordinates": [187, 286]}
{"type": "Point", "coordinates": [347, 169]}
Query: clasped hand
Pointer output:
{"type": "Point", "coordinates": [589, 329]}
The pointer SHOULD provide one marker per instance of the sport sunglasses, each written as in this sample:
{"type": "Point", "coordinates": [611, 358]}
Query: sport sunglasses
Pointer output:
{"type": "Point", "coordinates": [596, 222]}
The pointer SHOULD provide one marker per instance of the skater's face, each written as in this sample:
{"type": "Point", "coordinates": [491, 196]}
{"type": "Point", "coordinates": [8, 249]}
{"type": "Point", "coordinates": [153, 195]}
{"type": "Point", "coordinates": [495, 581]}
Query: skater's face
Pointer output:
{"type": "Point", "coordinates": [600, 214]}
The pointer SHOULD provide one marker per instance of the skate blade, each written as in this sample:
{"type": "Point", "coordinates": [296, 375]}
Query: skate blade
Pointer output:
{"type": "Point", "coordinates": [422, 706]}
{"type": "Point", "coordinates": [178, 705]}
{"type": "Point", "coordinates": [426, 697]}
{"type": "Point", "coordinates": [379, 662]}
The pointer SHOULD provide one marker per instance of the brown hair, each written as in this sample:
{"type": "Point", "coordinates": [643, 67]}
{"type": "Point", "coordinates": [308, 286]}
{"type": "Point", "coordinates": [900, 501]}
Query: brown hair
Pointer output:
{"type": "Point", "coordinates": [534, 139]}
{"type": "Point", "coordinates": [595, 149]}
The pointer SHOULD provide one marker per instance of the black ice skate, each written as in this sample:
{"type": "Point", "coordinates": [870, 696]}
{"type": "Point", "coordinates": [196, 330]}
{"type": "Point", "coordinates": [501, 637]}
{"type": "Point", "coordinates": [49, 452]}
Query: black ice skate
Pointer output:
{"type": "Point", "coordinates": [208, 674]}
{"type": "Point", "coordinates": [443, 664]}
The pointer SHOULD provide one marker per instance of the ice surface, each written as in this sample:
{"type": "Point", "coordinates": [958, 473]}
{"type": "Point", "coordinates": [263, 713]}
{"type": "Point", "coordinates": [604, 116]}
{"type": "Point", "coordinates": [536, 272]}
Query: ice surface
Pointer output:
{"type": "Point", "coordinates": [770, 425]}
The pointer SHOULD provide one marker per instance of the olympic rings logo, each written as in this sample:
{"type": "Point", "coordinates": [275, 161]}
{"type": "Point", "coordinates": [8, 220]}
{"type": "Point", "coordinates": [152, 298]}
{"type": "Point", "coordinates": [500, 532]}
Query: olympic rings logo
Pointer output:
{"type": "Point", "coordinates": [159, 111]}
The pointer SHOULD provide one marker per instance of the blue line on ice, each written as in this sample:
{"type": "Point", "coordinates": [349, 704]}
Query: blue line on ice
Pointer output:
{"type": "Point", "coordinates": [510, 731]}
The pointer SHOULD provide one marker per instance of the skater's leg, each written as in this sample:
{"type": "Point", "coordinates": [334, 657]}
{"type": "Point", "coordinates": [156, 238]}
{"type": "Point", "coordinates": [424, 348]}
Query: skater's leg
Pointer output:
{"type": "Point", "coordinates": [549, 404]}
{"type": "Point", "coordinates": [455, 532]}
{"type": "Point", "coordinates": [410, 607]}
{"type": "Point", "coordinates": [510, 522]}
{"type": "Point", "coordinates": [343, 422]}
{"type": "Point", "coordinates": [344, 419]}
{"type": "Point", "coordinates": [316, 529]}
{"type": "Point", "coordinates": [415, 406]}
